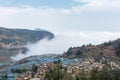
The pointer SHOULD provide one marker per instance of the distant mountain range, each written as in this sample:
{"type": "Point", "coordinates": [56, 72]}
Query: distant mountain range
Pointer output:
{"type": "Point", "coordinates": [13, 41]}
{"type": "Point", "coordinates": [109, 50]}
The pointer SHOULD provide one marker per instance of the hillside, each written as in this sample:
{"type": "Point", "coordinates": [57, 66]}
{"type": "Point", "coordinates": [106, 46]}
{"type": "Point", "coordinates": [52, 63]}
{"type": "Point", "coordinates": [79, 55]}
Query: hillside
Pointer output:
{"type": "Point", "coordinates": [13, 41]}
{"type": "Point", "coordinates": [77, 60]}
{"type": "Point", "coordinates": [109, 50]}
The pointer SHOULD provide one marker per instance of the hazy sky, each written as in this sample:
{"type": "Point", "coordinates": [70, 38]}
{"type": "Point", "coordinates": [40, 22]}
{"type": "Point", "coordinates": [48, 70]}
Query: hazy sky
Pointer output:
{"type": "Point", "coordinates": [61, 15]}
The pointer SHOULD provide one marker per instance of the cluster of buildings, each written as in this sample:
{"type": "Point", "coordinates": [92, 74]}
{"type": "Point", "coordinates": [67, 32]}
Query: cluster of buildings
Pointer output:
{"type": "Point", "coordinates": [39, 75]}
{"type": "Point", "coordinates": [87, 65]}
{"type": "Point", "coordinates": [74, 69]}
{"type": "Point", "coordinates": [84, 67]}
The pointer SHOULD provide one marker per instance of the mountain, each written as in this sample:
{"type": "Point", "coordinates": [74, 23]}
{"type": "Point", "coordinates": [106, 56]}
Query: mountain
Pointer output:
{"type": "Point", "coordinates": [13, 41]}
{"type": "Point", "coordinates": [108, 50]}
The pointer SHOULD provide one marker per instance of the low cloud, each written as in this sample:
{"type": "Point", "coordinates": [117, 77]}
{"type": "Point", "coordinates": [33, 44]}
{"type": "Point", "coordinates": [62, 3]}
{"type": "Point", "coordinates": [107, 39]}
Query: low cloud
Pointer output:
{"type": "Point", "coordinates": [62, 42]}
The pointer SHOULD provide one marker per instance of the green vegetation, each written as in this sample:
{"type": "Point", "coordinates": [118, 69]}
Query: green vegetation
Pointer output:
{"type": "Point", "coordinates": [117, 49]}
{"type": "Point", "coordinates": [19, 70]}
{"type": "Point", "coordinates": [34, 68]}
{"type": "Point", "coordinates": [105, 74]}
{"type": "Point", "coordinates": [78, 53]}
{"type": "Point", "coordinates": [58, 72]}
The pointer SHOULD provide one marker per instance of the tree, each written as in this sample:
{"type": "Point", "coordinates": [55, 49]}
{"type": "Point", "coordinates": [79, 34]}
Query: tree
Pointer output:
{"type": "Point", "coordinates": [12, 71]}
{"type": "Point", "coordinates": [57, 73]}
{"type": "Point", "coordinates": [78, 53]}
{"type": "Point", "coordinates": [34, 68]}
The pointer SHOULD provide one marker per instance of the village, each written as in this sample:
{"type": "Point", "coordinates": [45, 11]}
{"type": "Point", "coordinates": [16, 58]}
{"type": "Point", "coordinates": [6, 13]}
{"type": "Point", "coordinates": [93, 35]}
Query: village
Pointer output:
{"type": "Point", "coordinates": [38, 72]}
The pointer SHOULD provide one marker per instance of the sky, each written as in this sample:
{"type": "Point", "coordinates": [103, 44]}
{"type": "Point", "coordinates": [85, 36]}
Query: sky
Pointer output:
{"type": "Point", "coordinates": [64, 16]}
{"type": "Point", "coordinates": [39, 3]}
{"type": "Point", "coordinates": [74, 22]}
{"type": "Point", "coordinates": [61, 15]}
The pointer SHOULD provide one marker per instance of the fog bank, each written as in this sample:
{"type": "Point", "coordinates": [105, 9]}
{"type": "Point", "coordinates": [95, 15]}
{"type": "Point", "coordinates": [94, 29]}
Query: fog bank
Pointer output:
{"type": "Point", "coordinates": [63, 41]}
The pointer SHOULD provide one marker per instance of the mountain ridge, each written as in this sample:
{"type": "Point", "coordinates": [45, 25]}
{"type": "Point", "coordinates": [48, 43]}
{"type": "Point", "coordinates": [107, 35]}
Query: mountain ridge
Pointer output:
{"type": "Point", "coordinates": [109, 49]}
{"type": "Point", "coordinates": [14, 41]}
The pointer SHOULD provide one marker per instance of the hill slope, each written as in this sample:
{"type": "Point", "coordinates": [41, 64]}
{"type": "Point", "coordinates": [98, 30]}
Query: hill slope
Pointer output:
{"type": "Point", "coordinates": [109, 50]}
{"type": "Point", "coordinates": [13, 41]}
